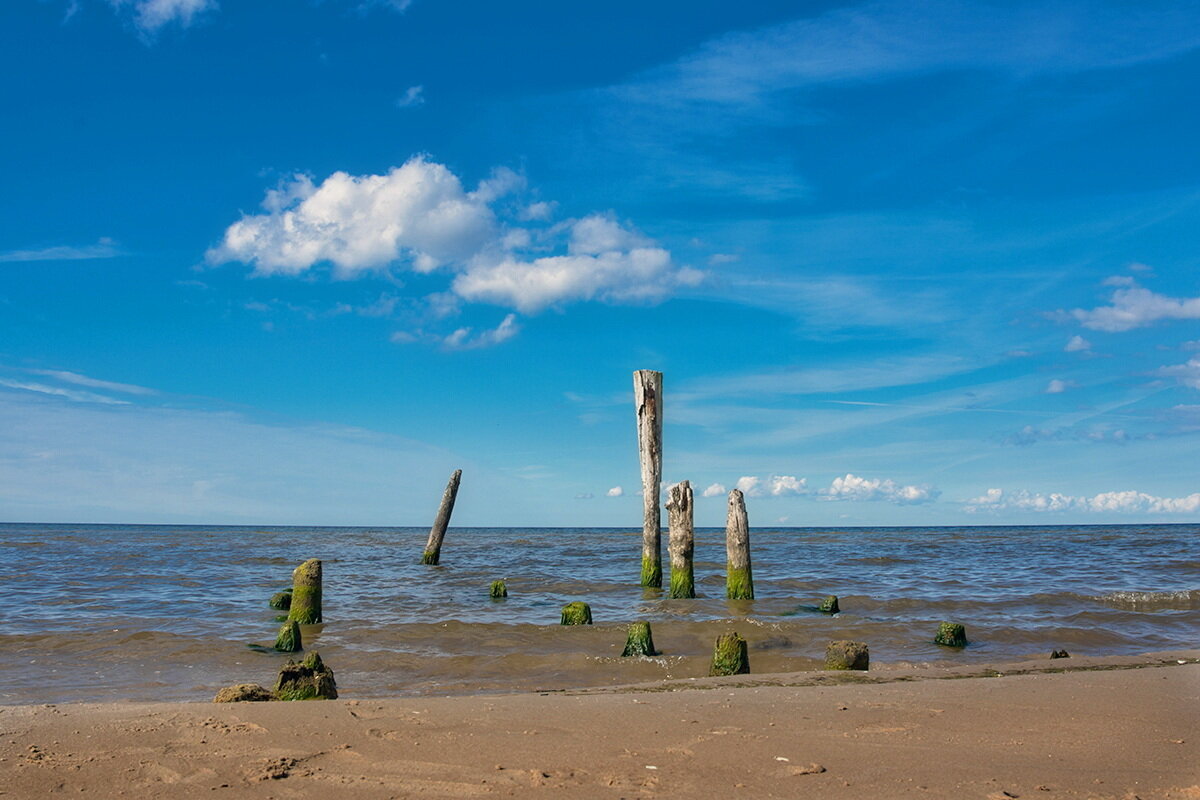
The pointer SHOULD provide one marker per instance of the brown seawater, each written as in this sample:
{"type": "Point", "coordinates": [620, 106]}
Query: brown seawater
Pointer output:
{"type": "Point", "coordinates": [147, 612]}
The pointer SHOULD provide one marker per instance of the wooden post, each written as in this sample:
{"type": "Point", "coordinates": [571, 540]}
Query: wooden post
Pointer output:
{"type": "Point", "coordinates": [847, 655]}
{"type": "Point", "coordinates": [739, 581]}
{"type": "Point", "coordinates": [640, 641]}
{"type": "Point", "coordinates": [951, 634]}
{"type": "Point", "coordinates": [729, 656]}
{"type": "Point", "coordinates": [499, 589]}
{"type": "Point", "coordinates": [306, 593]}
{"type": "Point", "coordinates": [433, 548]}
{"type": "Point", "coordinates": [288, 640]}
{"type": "Point", "coordinates": [577, 613]}
{"type": "Point", "coordinates": [681, 539]}
{"type": "Point", "coordinates": [647, 398]}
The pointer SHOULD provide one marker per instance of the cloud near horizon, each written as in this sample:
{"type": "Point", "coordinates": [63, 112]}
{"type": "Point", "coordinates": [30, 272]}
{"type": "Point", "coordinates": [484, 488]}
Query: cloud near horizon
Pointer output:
{"type": "Point", "coordinates": [853, 487]}
{"type": "Point", "coordinates": [1105, 502]}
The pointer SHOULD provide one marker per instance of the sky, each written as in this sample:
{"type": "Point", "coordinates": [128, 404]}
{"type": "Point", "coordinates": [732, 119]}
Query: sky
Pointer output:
{"type": "Point", "coordinates": [900, 263]}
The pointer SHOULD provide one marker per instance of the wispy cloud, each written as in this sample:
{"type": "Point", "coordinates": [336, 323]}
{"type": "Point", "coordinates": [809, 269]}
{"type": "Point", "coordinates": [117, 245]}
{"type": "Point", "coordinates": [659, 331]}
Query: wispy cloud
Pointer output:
{"type": "Point", "coordinates": [93, 383]}
{"type": "Point", "coordinates": [58, 391]}
{"type": "Point", "coordinates": [413, 96]}
{"type": "Point", "coordinates": [150, 16]}
{"type": "Point", "coordinates": [900, 371]}
{"type": "Point", "coordinates": [1128, 501]}
{"type": "Point", "coordinates": [104, 248]}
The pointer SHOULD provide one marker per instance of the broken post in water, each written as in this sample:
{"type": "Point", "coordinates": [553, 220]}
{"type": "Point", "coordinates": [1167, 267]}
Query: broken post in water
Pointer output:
{"type": "Point", "coordinates": [681, 539]}
{"type": "Point", "coordinates": [739, 582]}
{"type": "Point", "coordinates": [647, 398]}
{"type": "Point", "coordinates": [306, 593]}
{"type": "Point", "coordinates": [433, 548]}
{"type": "Point", "coordinates": [730, 656]}
{"type": "Point", "coordinates": [288, 640]}
{"type": "Point", "coordinates": [639, 641]}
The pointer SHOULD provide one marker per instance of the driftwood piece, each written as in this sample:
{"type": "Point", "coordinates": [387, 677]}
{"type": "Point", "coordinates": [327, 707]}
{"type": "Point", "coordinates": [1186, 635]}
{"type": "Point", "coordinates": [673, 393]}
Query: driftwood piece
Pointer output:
{"type": "Point", "coordinates": [681, 539]}
{"type": "Point", "coordinates": [433, 548]}
{"type": "Point", "coordinates": [739, 580]}
{"type": "Point", "coordinates": [647, 398]}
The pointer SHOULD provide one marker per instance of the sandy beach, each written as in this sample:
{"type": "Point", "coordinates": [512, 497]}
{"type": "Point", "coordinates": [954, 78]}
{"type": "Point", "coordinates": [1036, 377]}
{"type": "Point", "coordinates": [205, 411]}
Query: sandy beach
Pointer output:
{"type": "Point", "coordinates": [1119, 727]}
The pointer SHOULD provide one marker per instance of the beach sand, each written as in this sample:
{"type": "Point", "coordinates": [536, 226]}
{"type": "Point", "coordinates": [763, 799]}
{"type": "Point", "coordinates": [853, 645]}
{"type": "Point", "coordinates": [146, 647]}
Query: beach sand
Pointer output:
{"type": "Point", "coordinates": [1099, 728]}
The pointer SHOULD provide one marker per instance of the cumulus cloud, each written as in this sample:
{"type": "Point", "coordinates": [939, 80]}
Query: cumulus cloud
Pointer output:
{"type": "Point", "coordinates": [615, 491]}
{"type": "Point", "coordinates": [714, 490]}
{"type": "Point", "coordinates": [1187, 373]}
{"type": "Point", "coordinates": [750, 486]}
{"type": "Point", "coordinates": [1132, 306]}
{"type": "Point", "coordinates": [1078, 344]}
{"type": "Point", "coordinates": [151, 15]}
{"type": "Point", "coordinates": [779, 485]}
{"type": "Point", "coordinates": [852, 487]}
{"type": "Point", "coordinates": [1105, 502]}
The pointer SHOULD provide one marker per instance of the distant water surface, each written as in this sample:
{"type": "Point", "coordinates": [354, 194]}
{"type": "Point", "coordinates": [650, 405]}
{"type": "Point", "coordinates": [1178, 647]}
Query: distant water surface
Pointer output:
{"type": "Point", "coordinates": [145, 612]}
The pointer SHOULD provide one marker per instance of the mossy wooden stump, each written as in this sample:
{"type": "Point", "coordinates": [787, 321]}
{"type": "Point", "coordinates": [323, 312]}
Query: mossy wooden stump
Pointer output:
{"type": "Point", "coordinates": [847, 655]}
{"type": "Point", "coordinates": [308, 680]}
{"type": "Point", "coordinates": [951, 634]}
{"type": "Point", "coordinates": [681, 540]}
{"type": "Point", "coordinates": [730, 656]}
{"type": "Point", "coordinates": [648, 400]}
{"type": "Point", "coordinates": [739, 578]}
{"type": "Point", "coordinates": [639, 642]}
{"type": "Point", "coordinates": [281, 601]}
{"type": "Point", "coordinates": [829, 605]}
{"type": "Point", "coordinates": [288, 640]}
{"type": "Point", "coordinates": [577, 613]}
{"type": "Point", "coordinates": [243, 693]}
{"type": "Point", "coordinates": [1060, 654]}
{"type": "Point", "coordinates": [306, 593]}
{"type": "Point", "coordinates": [499, 590]}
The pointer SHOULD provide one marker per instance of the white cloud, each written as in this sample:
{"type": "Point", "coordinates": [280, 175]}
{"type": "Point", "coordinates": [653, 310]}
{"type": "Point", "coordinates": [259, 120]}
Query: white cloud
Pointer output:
{"type": "Point", "coordinates": [584, 496]}
{"type": "Point", "coordinates": [151, 15]}
{"type": "Point", "coordinates": [1056, 386]}
{"type": "Point", "coordinates": [84, 380]}
{"type": "Point", "coordinates": [852, 487]}
{"type": "Point", "coordinates": [1133, 306]}
{"type": "Point", "coordinates": [104, 248]}
{"type": "Point", "coordinates": [462, 339]}
{"type": "Point", "coordinates": [779, 485]}
{"type": "Point", "coordinates": [1105, 502]}
{"type": "Point", "coordinates": [750, 486]}
{"type": "Point", "coordinates": [615, 491]}
{"type": "Point", "coordinates": [1078, 344]}
{"type": "Point", "coordinates": [537, 212]}
{"type": "Point", "coordinates": [413, 96]}
{"type": "Point", "coordinates": [1187, 373]}
{"type": "Point", "coordinates": [715, 490]}
{"type": "Point", "coordinates": [58, 391]}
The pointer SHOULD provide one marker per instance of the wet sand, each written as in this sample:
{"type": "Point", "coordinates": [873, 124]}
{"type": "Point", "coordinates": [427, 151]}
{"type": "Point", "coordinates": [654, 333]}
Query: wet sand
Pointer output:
{"type": "Point", "coordinates": [1100, 728]}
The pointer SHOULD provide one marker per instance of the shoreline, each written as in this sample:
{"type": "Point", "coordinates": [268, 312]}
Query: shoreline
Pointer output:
{"type": "Point", "coordinates": [1097, 727]}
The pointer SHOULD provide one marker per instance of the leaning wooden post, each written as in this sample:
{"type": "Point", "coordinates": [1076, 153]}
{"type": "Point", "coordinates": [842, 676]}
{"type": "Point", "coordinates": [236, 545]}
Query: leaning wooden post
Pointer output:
{"type": "Point", "coordinates": [306, 593]}
{"type": "Point", "coordinates": [739, 582]}
{"type": "Point", "coordinates": [647, 397]}
{"type": "Point", "coordinates": [433, 548]}
{"type": "Point", "coordinates": [681, 539]}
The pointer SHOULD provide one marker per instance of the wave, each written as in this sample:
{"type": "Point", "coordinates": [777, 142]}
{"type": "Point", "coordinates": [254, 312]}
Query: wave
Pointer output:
{"type": "Point", "coordinates": [1182, 599]}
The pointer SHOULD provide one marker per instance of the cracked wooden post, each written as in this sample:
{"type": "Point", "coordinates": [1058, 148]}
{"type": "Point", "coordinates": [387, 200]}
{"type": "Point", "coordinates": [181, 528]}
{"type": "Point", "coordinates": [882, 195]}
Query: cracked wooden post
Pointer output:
{"type": "Point", "coordinates": [433, 548]}
{"type": "Point", "coordinates": [739, 582]}
{"type": "Point", "coordinates": [306, 593]}
{"type": "Point", "coordinates": [647, 397]}
{"type": "Point", "coordinates": [681, 539]}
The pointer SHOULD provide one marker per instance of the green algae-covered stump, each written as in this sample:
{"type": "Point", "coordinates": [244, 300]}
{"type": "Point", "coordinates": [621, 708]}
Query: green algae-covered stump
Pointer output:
{"type": "Point", "coordinates": [639, 642]}
{"type": "Point", "coordinates": [306, 593]}
{"type": "Point", "coordinates": [847, 655]}
{"type": "Point", "coordinates": [499, 589]}
{"type": "Point", "coordinates": [281, 601]}
{"type": "Point", "coordinates": [951, 634]}
{"type": "Point", "coordinates": [288, 640]}
{"type": "Point", "coordinates": [576, 613]}
{"type": "Point", "coordinates": [829, 605]}
{"type": "Point", "coordinates": [739, 577]}
{"type": "Point", "coordinates": [681, 540]}
{"type": "Point", "coordinates": [729, 656]}
{"type": "Point", "coordinates": [308, 680]}
{"type": "Point", "coordinates": [243, 693]}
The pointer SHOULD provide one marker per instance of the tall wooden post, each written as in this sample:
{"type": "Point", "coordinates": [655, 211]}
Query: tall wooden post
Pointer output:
{"type": "Point", "coordinates": [306, 593]}
{"type": "Point", "coordinates": [433, 548]}
{"type": "Point", "coordinates": [739, 582]}
{"type": "Point", "coordinates": [647, 398]}
{"type": "Point", "coordinates": [681, 539]}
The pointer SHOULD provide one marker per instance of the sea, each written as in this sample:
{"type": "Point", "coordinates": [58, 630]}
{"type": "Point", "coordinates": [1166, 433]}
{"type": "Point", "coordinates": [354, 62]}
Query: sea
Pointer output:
{"type": "Point", "coordinates": [167, 612]}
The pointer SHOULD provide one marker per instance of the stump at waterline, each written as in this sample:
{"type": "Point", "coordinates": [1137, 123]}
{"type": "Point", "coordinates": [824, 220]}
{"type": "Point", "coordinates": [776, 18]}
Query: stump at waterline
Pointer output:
{"type": "Point", "coordinates": [243, 693]}
{"type": "Point", "coordinates": [499, 589]}
{"type": "Point", "coordinates": [639, 641]}
{"type": "Point", "coordinates": [847, 655]}
{"type": "Point", "coordinates": [647, 398]}
{"type": "Point", "coordinates": [306, 593]}
{"type": "Point", "coordinates": [951, 634]}
{"type": "Point", "coordinates": [308, 680]}
{"type": "Point", "coordinates": [829, 605]}
{"type": "Point", "coordinates": [681, 539]}
{"type": "Point", "coordinates": [281, 601]}
{"type": "Point", "coordinates": [1060, 654]}
{"type": "Point", "coordinates": [288, 640]}
{"type": "Point", "coordinates": [433, 547]}
{"type": "Point", "coordinates": [577, 613]}
{"type": "Point", "coordinates": [730, 656]}
{"type": "Point", "coordinates": [739, 579]}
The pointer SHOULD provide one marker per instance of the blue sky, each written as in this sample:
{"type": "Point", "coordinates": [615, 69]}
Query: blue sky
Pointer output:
{"type": "Point", "coordinates": [901, 263]}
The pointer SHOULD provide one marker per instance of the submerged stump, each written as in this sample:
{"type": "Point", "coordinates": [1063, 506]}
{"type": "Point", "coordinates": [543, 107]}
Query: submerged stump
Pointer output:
{"type": "Point", "coordinates": [951, 634]}
{"type": "Point", "coordinates": [305, 606]}
{"type": "Point", "coordinates": [829, 605]}
{"type": "Point", "coordinates": [739, 580]}
{"type": "Point", "coordinates": [308, 680]}
{"type": "Point", "coordinates": [499, 589]}
{"type": "Point", "coordinates": [730, 656]}
{"type": "Point", "coordinates": [577, 613]}
{"type": "Point", "coordinates": [433, 547]}
{"type": "Point", "coordinates": [681, 539]}
{"type": "Point", "coordinates": [847, 655]}
{"type": "Point", "coordinates": [281, 601]}
{"type": "Point", "coordinates": [647, 398]}
{"type": "Point", "coordinates": [288, 640]}
{"type": "Point", "coordinates": [639, 641]}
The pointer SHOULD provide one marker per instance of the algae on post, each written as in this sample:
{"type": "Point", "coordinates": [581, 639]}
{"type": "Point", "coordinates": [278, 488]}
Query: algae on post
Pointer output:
{"type": "Point", "coordinates": [577, 613]}
{"type": "Point", "coordinates": [306, 593]}
{"type": "Point", "coordinates": [281, 601]}
{"type": "Point", "coordinates": [730, 656]}
{"type": "Point", "coordinates": [651, 573]}
{"type": "Point", "coordinates": [847, 655]}
{"type": "Point", "coordinates": [308, 680]}
{"type": "Point", "coordinates": [951, 634]}
{"type": "Point", "coordinates": [288, 640]}
{"type": "Point", "coordinates": [639, 642]}
{"type": "Point", "coordinates": [739, 584]}
{"type": "Point", "coordinates": [499, 589]}
{"type": "Point", "coordinates": [829, 605]}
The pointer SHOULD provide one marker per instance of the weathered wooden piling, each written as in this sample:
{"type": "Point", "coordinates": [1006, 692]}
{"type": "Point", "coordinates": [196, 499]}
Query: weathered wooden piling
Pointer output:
{"type": "Point", "coordinates": [577, 613]}
{"type": "Point", "coordinates": [639, 641]}
{"type": "Point", "coordinates": [951, 634]}
{"type": "Point", "coordinates": [730, 656]}
{"type": "Point", "coordinates": [499, 589]}
{"type": "Point", "coordinates": [433, 548]}
{"type": "Point", "coordinates": [288, 640]}
{"type": "Point", "coordinates": [681, 539]}
{"type": "Point", "coordinates": [308, 680]}
{"type": "Point", "coordinates": [647, 398]}
{"type": "Point", "coordinates": [847, 655]}
{"type": "Point", "coordinates": [829, 605]}
{"type": "Point", "coordinates": [306, 593]}
{"type": "Point", "coordinates": [739, 580]}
